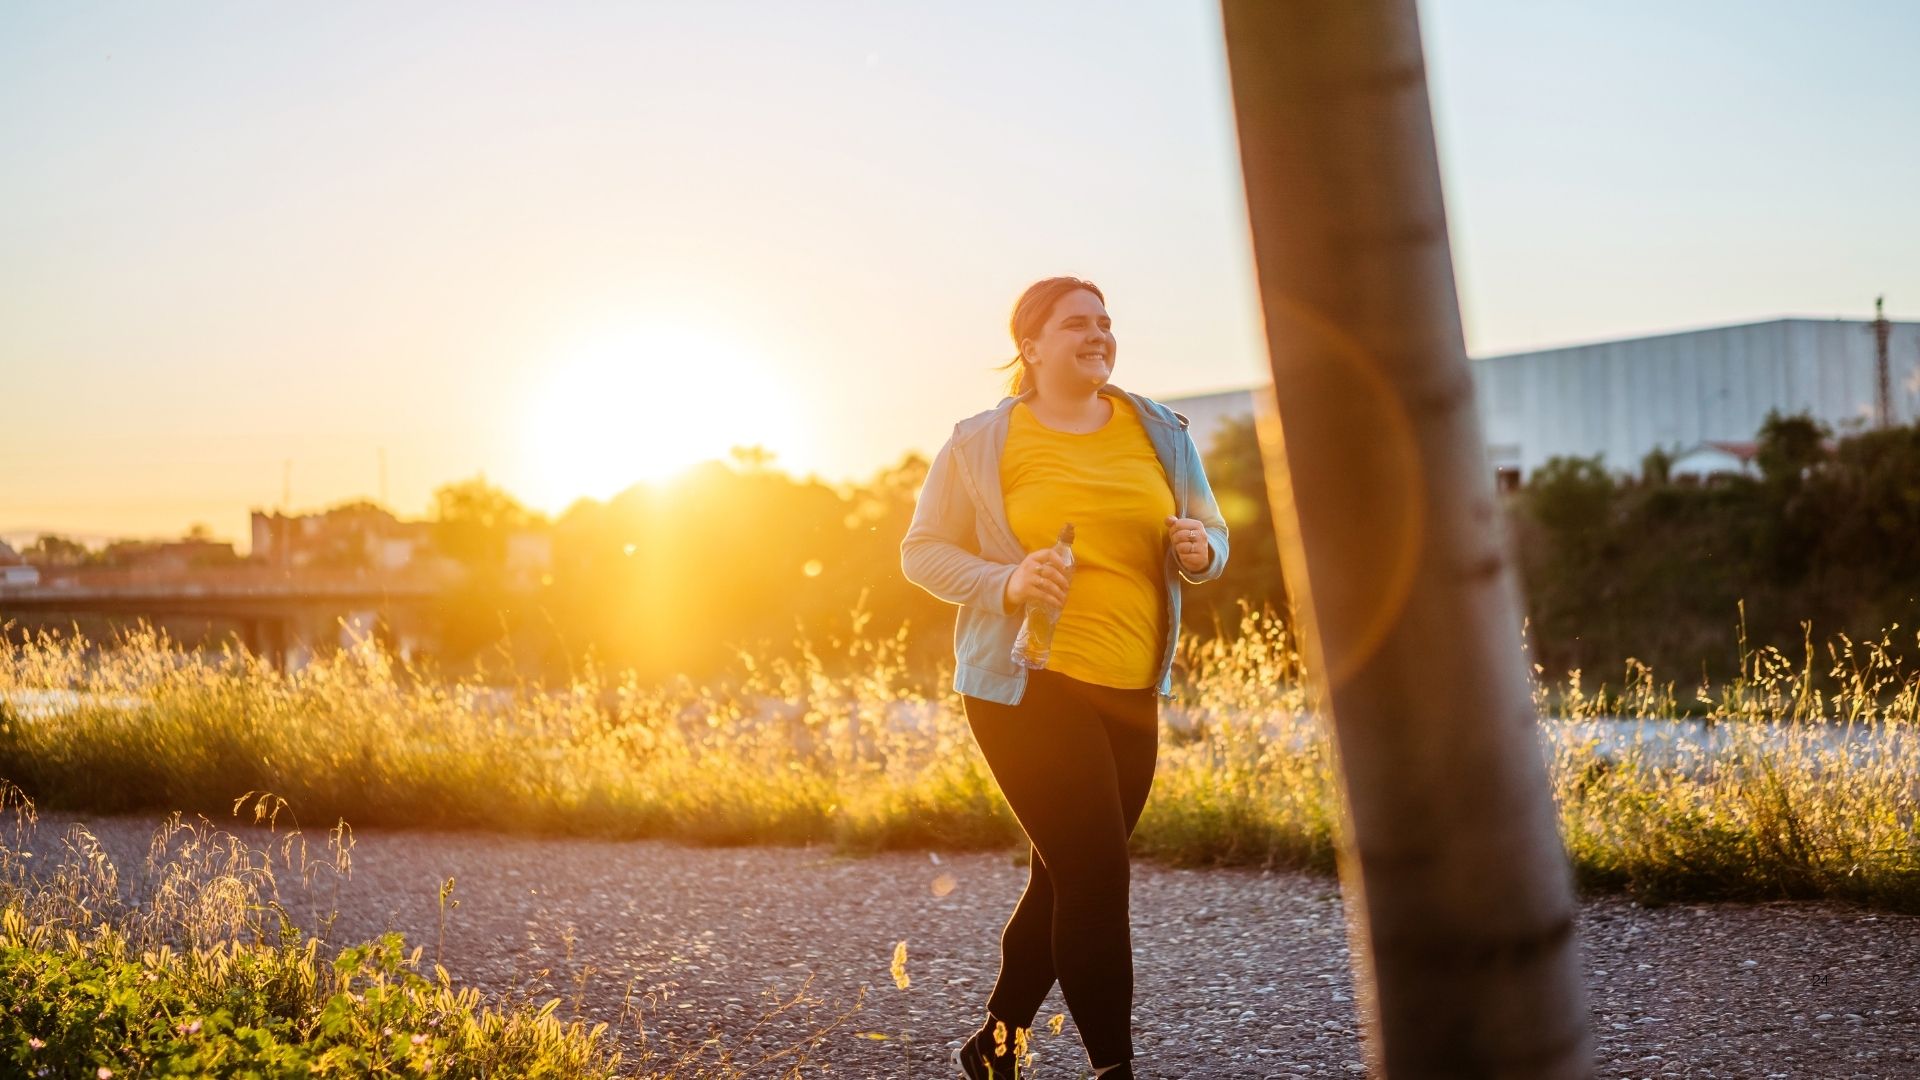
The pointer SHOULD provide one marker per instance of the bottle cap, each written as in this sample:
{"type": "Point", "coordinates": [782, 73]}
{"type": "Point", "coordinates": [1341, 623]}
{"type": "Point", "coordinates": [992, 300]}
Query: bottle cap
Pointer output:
{"type": "Point", "coordinates": [1066, 533]}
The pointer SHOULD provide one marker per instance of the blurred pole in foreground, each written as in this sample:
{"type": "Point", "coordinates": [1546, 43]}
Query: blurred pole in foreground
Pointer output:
{"type": "Point", "coordinates": [1460, 904]}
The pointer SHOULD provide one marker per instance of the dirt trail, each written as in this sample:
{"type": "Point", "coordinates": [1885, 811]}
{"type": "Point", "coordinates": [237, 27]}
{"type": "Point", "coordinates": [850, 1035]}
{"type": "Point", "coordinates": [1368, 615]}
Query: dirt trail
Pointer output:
{"type": "Point", "coordinates": [1239, 974]}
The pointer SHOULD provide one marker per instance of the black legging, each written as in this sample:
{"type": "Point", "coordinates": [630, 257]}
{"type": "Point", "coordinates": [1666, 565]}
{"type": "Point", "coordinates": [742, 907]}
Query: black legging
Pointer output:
{"type": "Point", "coordinates": [1075, 762]}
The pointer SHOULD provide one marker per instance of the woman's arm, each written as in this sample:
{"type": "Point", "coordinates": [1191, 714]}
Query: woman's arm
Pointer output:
{"type": "Point", "coordinates": [938, 553]}
{"type": "Point", "coordinates": [1202, 507]}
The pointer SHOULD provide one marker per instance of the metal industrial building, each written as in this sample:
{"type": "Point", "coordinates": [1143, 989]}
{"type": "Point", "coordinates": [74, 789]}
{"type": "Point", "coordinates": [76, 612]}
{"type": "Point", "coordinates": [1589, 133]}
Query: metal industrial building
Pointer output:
{"type": "Point", "coordinates": [1622, 399]}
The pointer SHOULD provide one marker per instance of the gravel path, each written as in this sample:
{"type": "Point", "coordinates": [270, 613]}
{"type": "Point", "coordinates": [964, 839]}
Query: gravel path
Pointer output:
{"type": "Point", "coordinates": [1239, 973]}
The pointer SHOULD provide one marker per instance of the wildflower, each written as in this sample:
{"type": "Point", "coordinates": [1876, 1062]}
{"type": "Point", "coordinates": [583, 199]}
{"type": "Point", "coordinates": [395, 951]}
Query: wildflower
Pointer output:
{"type": "Point", "coordinates": [104, 1073]}
{"type": "Point", "coordinates": [419, 1039]}
{"type": "Point", "coordinates": [900, 965]}
{"type": "Point", "coordinates": [36, 1043]}
{"type": "Point", "coordinates": [188, 1029]}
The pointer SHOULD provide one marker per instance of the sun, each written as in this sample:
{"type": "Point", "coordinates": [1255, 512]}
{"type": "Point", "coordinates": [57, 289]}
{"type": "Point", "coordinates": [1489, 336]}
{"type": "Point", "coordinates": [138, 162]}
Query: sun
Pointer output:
{"type": "Point", "coordinates": [643, 405]}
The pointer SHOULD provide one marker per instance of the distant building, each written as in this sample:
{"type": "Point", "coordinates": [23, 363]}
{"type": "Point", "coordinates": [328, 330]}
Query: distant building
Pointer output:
{"type": "Point", "coordinates": [1676, 392]}
{"type": "Point", "coordinates": [364, 537]}
{"type": "Point", "coordinates": [358, 535]}
{"type": "Point", "coordinates": [1207, 413]}
{"type": "Point", "coordinates": [1715, 459]}
{"type": "Point", "coordinates": [16, 571]}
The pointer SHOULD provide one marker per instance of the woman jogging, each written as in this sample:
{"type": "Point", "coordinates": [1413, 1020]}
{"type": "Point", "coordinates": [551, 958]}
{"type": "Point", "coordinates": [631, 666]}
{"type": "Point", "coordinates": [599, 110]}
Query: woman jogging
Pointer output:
{"type": "Point", "coordinates": [1072, 745]}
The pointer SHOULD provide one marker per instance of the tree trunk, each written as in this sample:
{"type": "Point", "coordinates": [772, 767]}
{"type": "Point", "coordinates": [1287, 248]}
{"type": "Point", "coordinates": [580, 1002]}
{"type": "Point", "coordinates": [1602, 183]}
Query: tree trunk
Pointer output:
{"type": "Point", "coordinates": [1460, 903]}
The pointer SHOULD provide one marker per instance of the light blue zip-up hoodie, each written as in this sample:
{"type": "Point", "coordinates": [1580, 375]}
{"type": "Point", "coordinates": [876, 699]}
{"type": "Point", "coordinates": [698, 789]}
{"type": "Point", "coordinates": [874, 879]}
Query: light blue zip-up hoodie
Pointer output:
{"type": "Point", "coordinates": [961, 549]}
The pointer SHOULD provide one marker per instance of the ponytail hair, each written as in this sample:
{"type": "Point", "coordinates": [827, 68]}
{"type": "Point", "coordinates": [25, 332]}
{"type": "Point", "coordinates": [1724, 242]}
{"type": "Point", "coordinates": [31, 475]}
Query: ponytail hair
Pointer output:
{"type": "Point", "coordinates": [1030, 316]}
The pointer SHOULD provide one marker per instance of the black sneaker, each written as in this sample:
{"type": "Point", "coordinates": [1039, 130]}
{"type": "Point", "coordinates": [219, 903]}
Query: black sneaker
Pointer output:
{"type": "Point", "coordinates": [974, 1062]}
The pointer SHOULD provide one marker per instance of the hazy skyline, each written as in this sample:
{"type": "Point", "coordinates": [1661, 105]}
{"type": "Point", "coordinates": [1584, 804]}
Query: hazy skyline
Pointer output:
{"type": "Point", "coordinates": [236, 235]}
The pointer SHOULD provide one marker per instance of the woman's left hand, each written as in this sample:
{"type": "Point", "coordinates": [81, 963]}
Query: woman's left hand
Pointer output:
{"type": "Point", "coordinates": [1189, 539]}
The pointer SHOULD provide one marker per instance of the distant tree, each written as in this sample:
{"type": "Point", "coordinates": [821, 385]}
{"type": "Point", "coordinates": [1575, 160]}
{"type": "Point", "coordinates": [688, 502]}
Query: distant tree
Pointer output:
{"type": "Point", "coordinates": [49, 549]}
{"type": "Point", "coordinates": [199, 530]}
{"type": "Point", "coordinates": [877, 514]}
{"type": "Point", "coordinates": [1656, 467]}
{"type": "Point", "coordinates": [673, 579]}
{"type": "Point", "coordinates": [1863, 511]}
{"type": "Point", "coordinates": [1789, 448]}
{"type": "Point", "coordinates": [480, 621]}
{"type": "Point", "coordinates": [1567, 510]}
{"type": "Point", "coordinates": [755, 458]}
{"type": "Point", "coordinates": [1571, 497]}
{"type": "Point", "coordinates": [471, 520]}
{"type": "Point", "coordinates": [1238, 476]}
{"type": "Point", "coordinates": [357, 508]}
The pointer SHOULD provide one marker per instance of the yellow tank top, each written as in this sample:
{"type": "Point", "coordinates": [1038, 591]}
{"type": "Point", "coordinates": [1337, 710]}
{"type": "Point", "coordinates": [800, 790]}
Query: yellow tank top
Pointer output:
{"type": "Point", "coordinates": [1109, 483]}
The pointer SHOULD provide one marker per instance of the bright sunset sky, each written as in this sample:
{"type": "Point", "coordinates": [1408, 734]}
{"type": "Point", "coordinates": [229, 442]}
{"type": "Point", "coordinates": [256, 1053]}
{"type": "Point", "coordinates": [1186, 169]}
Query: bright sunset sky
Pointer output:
{"type": "Point", "coordinates": [574, 246]}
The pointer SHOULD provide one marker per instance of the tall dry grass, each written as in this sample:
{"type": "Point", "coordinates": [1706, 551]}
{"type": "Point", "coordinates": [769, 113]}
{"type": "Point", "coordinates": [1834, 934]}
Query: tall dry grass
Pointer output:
{"type": "Point", "coordinates": [1798, 779]}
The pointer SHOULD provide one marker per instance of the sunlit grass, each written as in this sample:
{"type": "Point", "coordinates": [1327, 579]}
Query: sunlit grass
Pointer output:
{"type": "Point", "coordinates": [1801, 779]}
{"type": "Point", "coordinates": [1798, 781]}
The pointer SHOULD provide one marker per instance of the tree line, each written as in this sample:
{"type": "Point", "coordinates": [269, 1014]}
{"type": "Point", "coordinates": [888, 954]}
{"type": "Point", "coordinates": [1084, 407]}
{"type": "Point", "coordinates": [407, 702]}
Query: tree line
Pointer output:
{"type": "Point", "coordinates": [1821, 541]}
{"type": "Point", "coordinates": [739, 556]}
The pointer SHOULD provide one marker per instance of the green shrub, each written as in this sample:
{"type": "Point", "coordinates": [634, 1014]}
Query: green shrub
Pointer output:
{"type": "Point", "coordinates": [194, 968]}
{"type": "Point", "coordinates": [78, 1006]}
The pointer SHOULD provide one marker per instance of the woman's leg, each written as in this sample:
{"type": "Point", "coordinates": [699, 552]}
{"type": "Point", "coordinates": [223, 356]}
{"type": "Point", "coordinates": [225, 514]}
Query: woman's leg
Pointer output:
{"type": "Point", "coordinates": [1075, 763]}
{"type": "Point", "coordinates": [1132, 719]}
{"type": "Point", "coordinates": [1026, 951]}
{"type": "Point", "coordinates": [1026, 943]}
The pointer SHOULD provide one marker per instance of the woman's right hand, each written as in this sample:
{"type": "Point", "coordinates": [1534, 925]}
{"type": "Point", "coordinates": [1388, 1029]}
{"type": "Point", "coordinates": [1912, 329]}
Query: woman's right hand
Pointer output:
{"type": "Point", "coordinates": [1041, 577]}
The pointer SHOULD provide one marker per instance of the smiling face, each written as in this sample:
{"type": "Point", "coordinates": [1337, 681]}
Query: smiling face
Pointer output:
{"type": "Point", "coordinates": [1073, 352]}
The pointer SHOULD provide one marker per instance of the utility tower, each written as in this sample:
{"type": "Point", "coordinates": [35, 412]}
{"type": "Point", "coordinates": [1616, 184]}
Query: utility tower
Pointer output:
{"type": "Point", "coordinates": [1882, 380]}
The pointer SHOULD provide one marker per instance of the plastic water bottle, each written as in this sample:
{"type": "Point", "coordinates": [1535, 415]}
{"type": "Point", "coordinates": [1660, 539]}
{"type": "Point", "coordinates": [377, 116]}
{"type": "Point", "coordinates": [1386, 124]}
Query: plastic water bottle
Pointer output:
{"type": "Point", "coordinates": [1035, 640]}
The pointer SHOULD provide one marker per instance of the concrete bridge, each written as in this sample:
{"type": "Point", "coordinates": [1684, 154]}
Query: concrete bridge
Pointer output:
{"type": "Point", "coordinates": [282, 616]}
